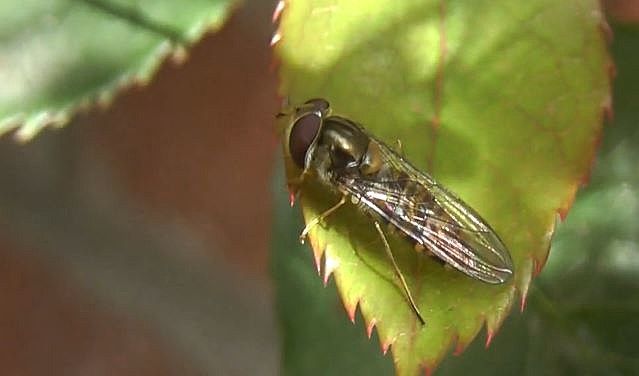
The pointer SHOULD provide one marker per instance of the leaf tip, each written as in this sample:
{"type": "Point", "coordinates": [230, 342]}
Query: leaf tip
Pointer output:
{"type": "Point", "coordinates": [385, 346]}
{"type": "Point", "coordinates": [489, 337]}
{"type": "Point", "coordinates": [563, 212]}
{"type": "Point", "coordinates": [522, 301]}
{"type": "Point", "coordinates": [460, 347]}
{"type": "Point", "coordinates": [370, 327]}
{"type": "Point", "coordinates": [318, 262]}
{"type": "Point", "coordinates": [292, 193]}
{"type": "Point", "coordinates": [277, 12]}
{"type": "Point", "coordinates": [351, 310]}
{"type": "Point", "coordinates": [567, 204]}
{"type": "Point", "coordinates": [605, 29]}
{"type": "Point", "coordinates": [428, 371]}
{"type": "Point", "coordinates": [538, 265]}
{"type": "Point", "coordinates": [277, 37]}
{"type": "Point", "coordinates": [330, 264]}
{"type": "Point", "coordinates": [608, 111]}
{"type": "Point", "coordinates": [178, 55]}
{"type": "Point", "coordinates": [28, 130]}
{"type": "Point", "coordinates": [525, 283]}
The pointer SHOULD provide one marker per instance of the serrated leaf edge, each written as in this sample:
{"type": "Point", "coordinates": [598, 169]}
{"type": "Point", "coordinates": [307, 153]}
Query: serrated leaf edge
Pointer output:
{"type": "Point", "coordinates": [26, 126]}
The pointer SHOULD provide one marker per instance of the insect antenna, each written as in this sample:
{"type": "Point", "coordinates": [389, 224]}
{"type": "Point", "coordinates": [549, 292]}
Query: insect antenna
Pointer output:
{"type": "Point", "coordinates": [389, 253]}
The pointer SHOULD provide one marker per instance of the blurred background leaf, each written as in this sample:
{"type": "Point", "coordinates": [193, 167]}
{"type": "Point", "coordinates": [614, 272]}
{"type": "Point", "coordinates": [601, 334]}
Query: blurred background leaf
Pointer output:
{"type": "Point", "coordinates": [58, 55]}
{"type": "Point", "coordinates": [582, 313]}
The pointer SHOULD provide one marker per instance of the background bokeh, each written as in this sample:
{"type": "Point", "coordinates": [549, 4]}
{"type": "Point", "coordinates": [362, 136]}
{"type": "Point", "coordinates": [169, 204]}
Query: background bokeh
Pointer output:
{"type": "Point", "coordinates": [134, 241]}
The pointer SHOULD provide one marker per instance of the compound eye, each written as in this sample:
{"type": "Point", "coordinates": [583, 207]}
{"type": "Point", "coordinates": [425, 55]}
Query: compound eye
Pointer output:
{"type": "Point", "coordinates": [319, 104]}
{"type": "Point", "coordinates": [302, 135]}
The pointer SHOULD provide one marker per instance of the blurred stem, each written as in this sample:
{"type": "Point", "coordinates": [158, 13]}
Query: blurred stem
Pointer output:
{"type": "Point", "coordinates": [591, 352]}
{"type": "Point", "coordinates": [136, 18]}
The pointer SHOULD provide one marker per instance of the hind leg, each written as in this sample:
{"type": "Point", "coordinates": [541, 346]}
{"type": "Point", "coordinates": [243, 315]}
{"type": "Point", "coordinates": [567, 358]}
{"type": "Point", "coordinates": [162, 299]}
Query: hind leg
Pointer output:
{"type": "Point", "coordinates": [399, 274]}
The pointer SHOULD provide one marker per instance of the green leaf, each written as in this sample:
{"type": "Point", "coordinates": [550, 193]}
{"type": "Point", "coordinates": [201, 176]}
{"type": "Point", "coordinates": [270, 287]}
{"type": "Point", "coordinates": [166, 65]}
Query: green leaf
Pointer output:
{"type": "Point", "coordinates": [58, 56]}
{"type": "Point", "coordinates": [500, 102]}
{"type": "Point", "coordinates": [582, 316]}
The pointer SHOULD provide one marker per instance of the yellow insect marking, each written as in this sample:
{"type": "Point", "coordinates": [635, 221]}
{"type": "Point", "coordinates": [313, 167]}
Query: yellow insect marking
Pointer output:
{"type": "Point", "coordinates": [372, 162]}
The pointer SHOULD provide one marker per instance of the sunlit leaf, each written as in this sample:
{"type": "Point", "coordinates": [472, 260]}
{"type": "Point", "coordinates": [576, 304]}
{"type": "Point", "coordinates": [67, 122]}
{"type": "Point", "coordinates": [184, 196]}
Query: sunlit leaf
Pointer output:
{"type": "Point", "coordinates": [500, 102]}
{"type": "Point", "coordinates": [582, 315]}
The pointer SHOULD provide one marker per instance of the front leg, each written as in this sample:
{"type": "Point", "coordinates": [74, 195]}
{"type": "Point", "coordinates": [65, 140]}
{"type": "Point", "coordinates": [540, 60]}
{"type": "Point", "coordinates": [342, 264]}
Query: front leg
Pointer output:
{"type": "Point", "coordinates": [320, 218]}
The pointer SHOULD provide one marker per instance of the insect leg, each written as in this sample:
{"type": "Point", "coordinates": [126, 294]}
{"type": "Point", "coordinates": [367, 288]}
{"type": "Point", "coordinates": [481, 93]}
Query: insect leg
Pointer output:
{"type": "Point", "coordinates": [320, 218]}
{"type": "Point", "coordinates": [389, 253]}
{"type": "Point", "coordinates": [297, 181]}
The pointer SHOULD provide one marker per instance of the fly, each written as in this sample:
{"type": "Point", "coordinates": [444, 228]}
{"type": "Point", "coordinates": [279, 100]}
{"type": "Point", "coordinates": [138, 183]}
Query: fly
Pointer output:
{"type": "Point", "coordinates": [345, 158]}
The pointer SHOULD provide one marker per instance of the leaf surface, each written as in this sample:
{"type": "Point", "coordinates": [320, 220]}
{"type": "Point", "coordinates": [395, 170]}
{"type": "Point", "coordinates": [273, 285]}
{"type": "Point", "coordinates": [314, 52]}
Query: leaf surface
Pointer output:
{"type": "Point", "coordinates": [500, 102]}
{"type": "Point", "coordinates": [582, 315]}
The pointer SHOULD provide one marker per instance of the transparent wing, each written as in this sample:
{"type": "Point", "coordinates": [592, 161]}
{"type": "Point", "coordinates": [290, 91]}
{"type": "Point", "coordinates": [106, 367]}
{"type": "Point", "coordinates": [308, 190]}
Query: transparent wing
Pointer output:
{"type": "Point", "coordinates": [433, 217]}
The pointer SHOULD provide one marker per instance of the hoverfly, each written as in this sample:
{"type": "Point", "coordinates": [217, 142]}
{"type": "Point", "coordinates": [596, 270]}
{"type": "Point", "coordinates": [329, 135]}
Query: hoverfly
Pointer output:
{"type": "Point", "coordinates": [342, 156]}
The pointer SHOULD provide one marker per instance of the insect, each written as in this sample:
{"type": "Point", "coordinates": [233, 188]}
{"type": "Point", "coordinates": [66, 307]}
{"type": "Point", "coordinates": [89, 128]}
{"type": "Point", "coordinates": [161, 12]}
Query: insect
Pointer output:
{"type": "Point", "coordinates": [343, 157]}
